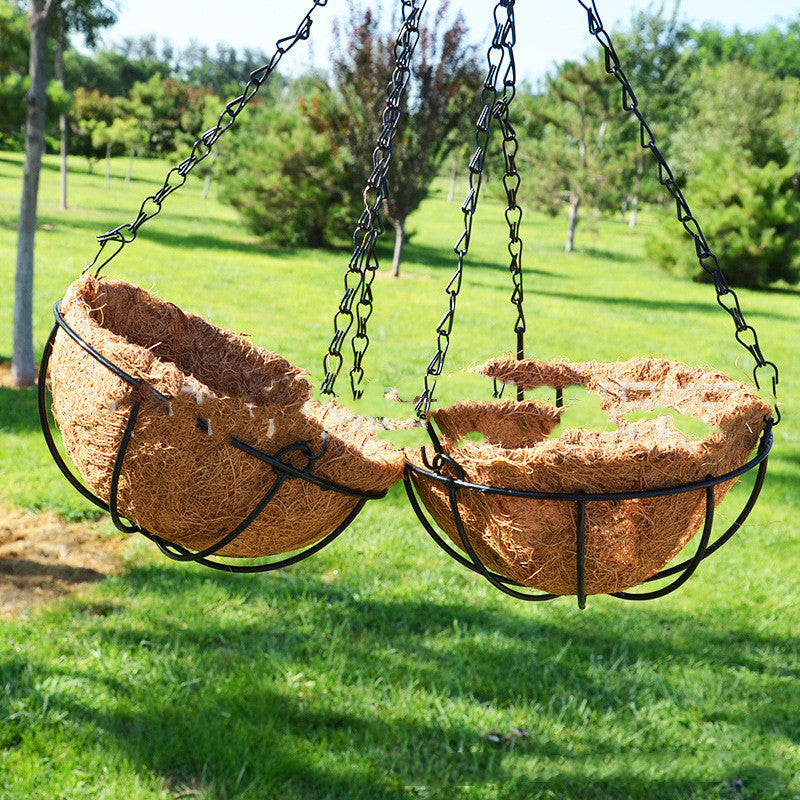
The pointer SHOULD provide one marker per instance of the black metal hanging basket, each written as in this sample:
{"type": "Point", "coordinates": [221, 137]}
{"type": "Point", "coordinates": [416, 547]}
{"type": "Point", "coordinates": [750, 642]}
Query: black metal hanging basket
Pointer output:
{"type": "Point", "coordinates": [210, 445]}
{"type": "Point", "coordinates": [189, 434]}
{"type": "Point", "coordinates": [588, 512]}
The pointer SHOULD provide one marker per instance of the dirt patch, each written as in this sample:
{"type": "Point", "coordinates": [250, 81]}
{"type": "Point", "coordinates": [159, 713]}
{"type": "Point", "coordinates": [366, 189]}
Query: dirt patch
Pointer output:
{"type": "Point", "coordinates": [5, 373]}
{"type": "Point", "coordinates": [42, 558]}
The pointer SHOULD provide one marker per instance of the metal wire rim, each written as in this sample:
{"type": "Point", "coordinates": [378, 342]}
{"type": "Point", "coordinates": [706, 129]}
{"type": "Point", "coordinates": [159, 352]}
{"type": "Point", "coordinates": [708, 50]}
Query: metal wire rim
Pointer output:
{"type": "Point", "coordinates": [684, 570]}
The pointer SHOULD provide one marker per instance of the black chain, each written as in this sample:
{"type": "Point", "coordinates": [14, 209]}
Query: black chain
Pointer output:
{"type": "Point", "coordinates": [364, 263]}
{"type": "Point", "coordinates": [176, 177]}
{"type": "Point", "coordinates": [511, 182]}
{"type": "Point", "coordinates": [726, 296]}
{"type": "Point", "coordinates": [504, 29]}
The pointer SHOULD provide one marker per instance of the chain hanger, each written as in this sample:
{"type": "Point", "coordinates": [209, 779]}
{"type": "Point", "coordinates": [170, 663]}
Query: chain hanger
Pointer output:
{"type": "Point", "coordinates": [500, 49]}
{"type": "Point", "coordinates": [364, 262]}
{"type": "Point", "coordinates": [513, 213]}
{"type": "Point", "coordinates": [201, 149]}
{"type": "Point", "coordinates": [502, 44]}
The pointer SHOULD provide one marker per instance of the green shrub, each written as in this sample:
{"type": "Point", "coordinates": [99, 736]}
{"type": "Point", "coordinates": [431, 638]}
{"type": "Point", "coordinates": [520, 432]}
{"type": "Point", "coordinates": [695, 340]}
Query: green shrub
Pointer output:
{"type": "Point", "coordinates": [750, 216]}
{"type": "Point", "coordinates": [287, 180]}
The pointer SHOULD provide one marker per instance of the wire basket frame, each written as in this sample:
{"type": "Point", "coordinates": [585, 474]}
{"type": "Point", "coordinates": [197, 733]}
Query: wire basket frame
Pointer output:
{"type": "Point", "coordinates": [445, 473]}
{"type": "Point", "coordinates": [283, 471]}
{"type": "Point", "coordinates": [456, 484]}
{"type": "Point", "coordinates": [283, 468]}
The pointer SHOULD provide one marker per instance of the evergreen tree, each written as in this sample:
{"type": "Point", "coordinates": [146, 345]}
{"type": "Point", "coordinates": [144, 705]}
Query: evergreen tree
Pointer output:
{"type": "Point", "coordinates": [578, 144]}
{"type": "Point", "coordinates": [289, 181]}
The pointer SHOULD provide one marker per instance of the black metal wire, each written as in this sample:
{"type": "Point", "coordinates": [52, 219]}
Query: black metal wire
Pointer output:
{"type": "Point", "coordinates": [511, 183]}
{"type": "Point", "coordinates": [364, 263]}
{"type": "Point", "coordinates": [496, 55]}
{"type": "Point", "coordinates": [726, 297]}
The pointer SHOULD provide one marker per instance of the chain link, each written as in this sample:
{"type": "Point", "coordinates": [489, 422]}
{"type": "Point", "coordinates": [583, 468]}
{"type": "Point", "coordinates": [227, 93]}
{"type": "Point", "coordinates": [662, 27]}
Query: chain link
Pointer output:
{"type": "Point", "coordinates": [511, 182]}
{"type": "Point", "coordinates": [726, 296]}
{"type": "Point", "coordinates": [118, 237]}
{"type": "Point", "coordinates": [503, 35]}
{"type": "Point", "coordinates": [364, 263]}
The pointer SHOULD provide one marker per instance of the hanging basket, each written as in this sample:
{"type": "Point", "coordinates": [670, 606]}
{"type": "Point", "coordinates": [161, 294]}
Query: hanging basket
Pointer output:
{"type": "Point", "coordinates": [517, 495]}
{"type": "Point", "coordinates": [203, 427]}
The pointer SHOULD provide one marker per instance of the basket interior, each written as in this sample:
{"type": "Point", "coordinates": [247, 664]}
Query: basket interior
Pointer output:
{"type": "Point", "coordinates": [227, 363]}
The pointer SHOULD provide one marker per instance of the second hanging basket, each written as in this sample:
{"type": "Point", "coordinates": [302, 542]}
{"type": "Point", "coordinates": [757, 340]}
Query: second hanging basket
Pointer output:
{"type": "Point", "coordinates": [532, 541]}
{"type": "Point", "coordinates": [211, 409]}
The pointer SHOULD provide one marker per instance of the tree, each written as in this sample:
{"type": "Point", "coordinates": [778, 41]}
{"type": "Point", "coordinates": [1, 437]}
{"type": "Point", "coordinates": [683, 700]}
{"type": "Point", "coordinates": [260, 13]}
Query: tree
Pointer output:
{"type": "Point", "coordinates": [86, 18]}
{"type": "Point", "coordinates": [223, 71]}
{"type": "Point", "coordinates": [289, 182]}
{"type": "Point", "coordinates": [14, 46]}
{"type": "Point", "coordinates": [40, 12]}
{"type": "Point", "coordinates": [734, 104]}
{"type": "Point", "coordinates": [442, 92]}
{"type": "Point", "coordinates": [23, 367]}
{"type": "Point", "coordinates": [739, 150]}
{"type": "Point", "coordinates": [774, 50]}
{"type": "Point", "coordinates": [170, 112]}
{"type": "Point", "coordinates": [109, 71]}
{"type": "Point", "coordinates": [91, 110]}
{"type": "Point", "coordinates": [576, 143]}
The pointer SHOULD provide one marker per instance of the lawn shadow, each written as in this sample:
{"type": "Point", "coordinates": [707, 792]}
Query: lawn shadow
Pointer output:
{"type": "Point", "coordinates": [602, 254]}
{"type": "Point", "coordinates": [445, 257]}
{"type": "Point", "coordinates": [19, 407]}
{"type": "Point", "coordinates": [502, 660]}
{"type": "Point", "coordinates": [646, 303]}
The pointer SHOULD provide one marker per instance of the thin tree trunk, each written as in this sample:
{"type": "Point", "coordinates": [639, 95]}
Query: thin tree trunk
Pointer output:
{"type": "Point", "coordinates": [399, 242]}
{"type": "Point", "coordinates": [574, 207]}
{"type": "Point", "coordinates": [129, 173]}
{"type": "Point", "coordinates": [207, 182]}
{"type": "Point", "coordinates": [108, 165]}
{"type": "Point", "coordinates": [637, 188]}
{"type": "Point", "coordinates": [63, 119]}
{"type": "Point", "coordinates": [23, 367]}
{"type": "Point", "coordinates": [451, 192]}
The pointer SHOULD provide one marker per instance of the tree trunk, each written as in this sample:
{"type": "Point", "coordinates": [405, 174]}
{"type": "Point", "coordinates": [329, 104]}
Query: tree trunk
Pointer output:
{"type": "Point", "coordinates": [637, 188]}
{"type": "Point", "coordinates": [63, 119]}
{"type": "Point", "coordinates": [108, 165]}
{"type": "Point", "coordinates": [399, 242]}
{"type": "Point", "coordinates": [574, 206]}
{"type": "Point", "coordinates": [23, 367]}
{"type": "Point", "coordinates": [207, 182]}
{"type": "Point", "coordinates": [129, 173]}
{"type": "Point", "coordinates": [451, 192]}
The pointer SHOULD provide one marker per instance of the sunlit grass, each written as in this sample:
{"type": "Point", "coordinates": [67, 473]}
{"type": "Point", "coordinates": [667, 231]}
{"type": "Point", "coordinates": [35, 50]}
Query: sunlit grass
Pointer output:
{"type": "Point", "coordinates": [379, 668]}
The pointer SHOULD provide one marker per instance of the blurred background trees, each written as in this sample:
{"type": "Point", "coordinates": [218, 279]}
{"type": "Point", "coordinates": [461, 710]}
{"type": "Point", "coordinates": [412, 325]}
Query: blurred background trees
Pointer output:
{"type": "Point", "coordinates": [725, 107]}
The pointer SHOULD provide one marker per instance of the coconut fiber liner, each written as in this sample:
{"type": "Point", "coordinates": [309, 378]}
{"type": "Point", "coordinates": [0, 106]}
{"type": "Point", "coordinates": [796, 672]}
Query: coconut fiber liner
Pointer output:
{"type": "Point", "coordinates": [533, 542]}
{"type": "Point", "coordinates": [186, 485]}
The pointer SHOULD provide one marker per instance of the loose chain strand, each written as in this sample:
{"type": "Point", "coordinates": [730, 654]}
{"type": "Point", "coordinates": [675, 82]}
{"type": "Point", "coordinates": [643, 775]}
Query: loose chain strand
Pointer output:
{"type": "Point", "coordinates": [201, 149]}
{"type": "Point", "coordinates": [363, 263]}
{"type": "Point", "coordinates": [504, 26]}
{"type": "Point", "coordinates": [726, 296]}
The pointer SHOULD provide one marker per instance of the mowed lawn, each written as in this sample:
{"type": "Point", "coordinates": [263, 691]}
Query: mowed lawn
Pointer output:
{"type": "Point", "coordinates": [379, 668]}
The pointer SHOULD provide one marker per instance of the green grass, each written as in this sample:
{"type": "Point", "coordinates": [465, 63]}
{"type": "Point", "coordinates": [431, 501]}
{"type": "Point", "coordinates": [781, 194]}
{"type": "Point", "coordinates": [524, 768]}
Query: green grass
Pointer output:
{"type": "Point", "coordinates": [379, 668]}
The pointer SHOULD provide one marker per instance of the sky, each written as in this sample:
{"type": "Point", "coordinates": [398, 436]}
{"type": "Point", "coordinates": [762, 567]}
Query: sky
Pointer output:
{"type": "Point", "coordinates": [548, 31]}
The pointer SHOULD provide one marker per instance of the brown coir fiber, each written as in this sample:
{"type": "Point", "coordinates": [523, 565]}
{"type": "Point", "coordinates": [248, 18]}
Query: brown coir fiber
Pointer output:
{"type": "Point", "coordinates": [188, 486]}
{"type": "Point", "coordinates": [533, 542]}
